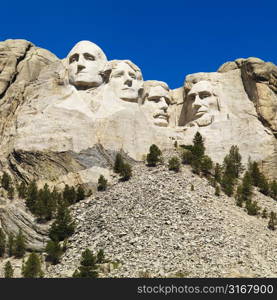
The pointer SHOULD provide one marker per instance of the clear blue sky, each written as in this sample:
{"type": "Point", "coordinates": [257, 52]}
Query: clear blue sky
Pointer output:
{"type": "Point", "coordinates": [167, 39]}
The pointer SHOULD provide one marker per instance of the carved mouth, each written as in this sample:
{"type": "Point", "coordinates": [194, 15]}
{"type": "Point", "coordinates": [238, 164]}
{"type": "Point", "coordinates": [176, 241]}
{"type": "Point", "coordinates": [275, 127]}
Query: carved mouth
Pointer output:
{"type": "Point", "coordinates": [161, 116]}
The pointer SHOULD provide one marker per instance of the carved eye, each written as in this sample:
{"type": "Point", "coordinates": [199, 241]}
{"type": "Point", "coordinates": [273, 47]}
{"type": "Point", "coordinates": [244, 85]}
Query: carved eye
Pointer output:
{"type": "Point", "coordinates": [73, 58]}
{"type": "Point", "coordinates": [191, 97]}
{"type": "Point", "coordinates": [118, 74]}
{"type": "Point", "coordinates": [204, 95]}
{"type": "Point", "coordinates": [88, 56]}
{"type": "Point", "coordinates": [132, 75]}
{"type": "Point", "coordinates": [155, 99]}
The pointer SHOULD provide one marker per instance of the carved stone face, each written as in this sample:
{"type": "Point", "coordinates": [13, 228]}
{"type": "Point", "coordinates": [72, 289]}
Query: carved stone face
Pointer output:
{"type": "Point", "coordinates": [126, 82]}
{"type": "Point", "coordinates": [203, 103]}
{"type": "Point", "coordinates": [156, 105]}
{"type": "Point", "coordinates": [86, 64]}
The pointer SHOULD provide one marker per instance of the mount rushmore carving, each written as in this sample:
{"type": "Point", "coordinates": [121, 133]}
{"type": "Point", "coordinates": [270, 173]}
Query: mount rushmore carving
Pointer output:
{"type": "Point", "coordinates": [64, 120]}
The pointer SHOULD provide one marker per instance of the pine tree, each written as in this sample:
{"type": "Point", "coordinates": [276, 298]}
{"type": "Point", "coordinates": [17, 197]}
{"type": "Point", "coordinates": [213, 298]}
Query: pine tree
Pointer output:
{"type": "Point", "coordinates": [32, 267]}
{"type": "Point", "coordinates": [217, 172]}
{"type": "Point", "coordinates": [11, 244]}
{"type": "Point", "coordinates": [63, 226]}
{"type": "Point", "coordinates": [88, 268]}
{"type": "Point", "coordinates": [8, 269]}
{"type": "Point", "coordinates": [32, 196]}
{"type": "Point", "coordinates": [227, 184]}
{"type": "Point", "coordinates": [80, 193]}
{"type": "Point", "coordinates": [217, 190]}
{"type": "Point", "coordinates": [69, 195]}
{"type": "Point", "coordinates": [273, 189]}
{"type": "Point", "coordinates": [198, 148]}
{"type": "Point", "coordinates": [2, 243]}
{"type": "Point", "coordinates": [174, 164]}
{"type": "Point", "coordinates": [118, 163]}
{"type": "Point", "coordinates": [19, 245]}
{"type": "Point", "coordinates": [192, 187]}
{"type": "Point", "coordinates": [6, 181]}
{"type": "Point", "coordinates": [264, 213]}
{"type": "Point", "coordinates": [100, 258]}
{"type": "Point", "coordinates": [272, 221]}
{"type": "Point", "coordinates": [232, 163]}
{"type": "Point", "coordinates": [154, 155]}
{"type": "Point", "coordinates": [264, 185]}
{"type": "Point", "coordinates": [126, 172]}
{"type": "Point", "coordinates": [54, 252]}
{"type": "Point", "coordinates": [246, 188]}
{"type": "Point", "coordinates": [187, 157]}
{"type": "Point", "coordinates": [206, 165]}
{"type": "Point", "coordinates": [22, 190]}
{"type": "Point", "coordinates": [252, 207]}
{"type": "Point", "coordinates": [239, 198]}
{"type": "Point", "coordinates": [102, 183]}
{"type": "Point", "coordinates": [255, 173]}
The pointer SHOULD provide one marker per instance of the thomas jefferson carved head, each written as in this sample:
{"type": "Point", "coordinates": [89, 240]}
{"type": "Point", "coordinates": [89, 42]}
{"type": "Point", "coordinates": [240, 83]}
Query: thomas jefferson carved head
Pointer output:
{"type": "Point", "coordinates": [156, 100]}
{"type": "Point", "coordinates": [86, 65]}
{"type": "Point", "coordinates": [125, 80]}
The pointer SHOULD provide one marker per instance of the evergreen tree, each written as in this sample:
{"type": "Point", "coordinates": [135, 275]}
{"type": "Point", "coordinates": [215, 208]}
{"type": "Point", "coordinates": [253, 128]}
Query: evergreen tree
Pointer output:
{"type": "Point", "coordinates": [206, 164]}
{"type": "Point", "coordinates": [11, 244]}
{"type": "Point", "coordinates": [252, 207]}
{"type": "Point", "coordinates": [6, 181]}
{"type": "Point", "coordinates": [63, 226]}
{"type": "Point", "coordinates": [232, 163]}
{"type": "Point", "coordinates": [88, 268]}
{"type": "Point", "coordinates": [196, 165]}
{"type": "Point", "coordinates": [246, 188]}
{"type": "Point", "coordinates": [239, 198]}
{"type": "Point", "coordinates": [217, 190]}
{"type": "Point", "coordinates": [217, 172]}
{"type": "Point", "coordinates": [2, 243]}
{"type": "Point", "coordinates": [174, 164]}
{"type": "Point", "coordinates": [154, 155]}
{"type": "Point", "coordinates": [118, 163]}
{"type": "Point", "coordinates": [126, 172]}
{"type": "Point", "coordinates": [100, 258]}
{"type": "Point", "coordinates": [8, 269]}
{"type": "Point", "coordinates": [22, 190]}
{"type": "Point", "coordinates": [187, 157]}
{"type": "Point", "coordinates": [264, 213]}
{"type": "Point", "coordinates": [192, 187]}
{"type": "Point", "coordinates": [227, 184]}
{"type": "Point", "coordinates": [102, 183]}
{"type": "Point", "coordinates": [273, 189]}
{"type": "Point", "coordinates": [80, 193]}
{"type": "Point", "coordinates": [255, 173]}
{"type": "Point", "coordinates": [19, 245]}
{"type": "Point", "coordinates": [54, 252]}
{"type": "Point", "coordinates": [198, 148]}
{"type": "Point", "coordinates": [272, 221]}
{"type": "Point", "coordinates": [69, 195]}
{"type": "Point", "coordinates": [32, 267]}
{"type": "Point", "coordinates": [264, 185]}
{"type": "Point", "coordinates": [32, 196]}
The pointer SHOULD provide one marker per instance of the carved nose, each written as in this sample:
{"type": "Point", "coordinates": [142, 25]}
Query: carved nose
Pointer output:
{"type": "Point", "coordinates": [128, 82]}
{"type": "Point", "coordinates": [197, 102]}
{"type": "Point", "coordinates": [80, 68]}
{"type": "Point", "coordinates": [163, 105]}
